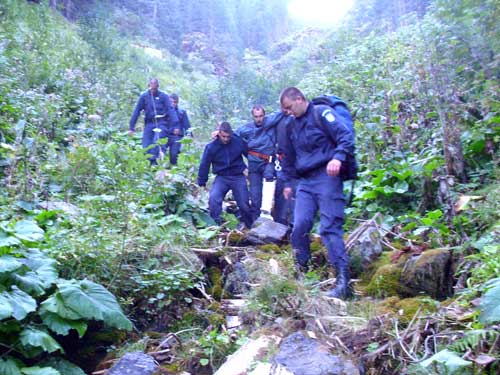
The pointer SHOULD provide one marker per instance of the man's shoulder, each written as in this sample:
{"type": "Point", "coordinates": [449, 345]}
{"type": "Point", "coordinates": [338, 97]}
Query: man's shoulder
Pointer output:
{"type": "Point", "coordinates": [324, 113]}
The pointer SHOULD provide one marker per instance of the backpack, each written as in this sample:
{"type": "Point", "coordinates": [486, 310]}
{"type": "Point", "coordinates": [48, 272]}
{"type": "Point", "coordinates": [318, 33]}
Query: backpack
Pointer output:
{"type": "Point", "coordinates": [349, 168]}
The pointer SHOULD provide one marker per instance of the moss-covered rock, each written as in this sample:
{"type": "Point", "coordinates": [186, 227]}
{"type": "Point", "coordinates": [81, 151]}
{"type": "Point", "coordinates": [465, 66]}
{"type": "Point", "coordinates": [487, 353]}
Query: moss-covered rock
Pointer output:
{"type": "Point", "coordinates": [216, 282]}
{"type": "Point", "coordinates": [385, 282]}
{"type": "Point", "coordinates": [270, 248]}
{"type": "Point", "coordinates": [428, 273]}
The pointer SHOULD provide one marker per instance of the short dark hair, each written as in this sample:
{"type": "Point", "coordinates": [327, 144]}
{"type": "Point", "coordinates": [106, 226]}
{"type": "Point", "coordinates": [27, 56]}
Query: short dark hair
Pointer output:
{"type": "Point", "coordinates": [174, 97]}
{"type": "Point", "coordinates": [225, 127]}
{"type": "Point", "coordinates": [258, 107]}
{"type": "Point", "coordinates": [155, 80]}
{"type": "Point", "coordinates": [291, 93]}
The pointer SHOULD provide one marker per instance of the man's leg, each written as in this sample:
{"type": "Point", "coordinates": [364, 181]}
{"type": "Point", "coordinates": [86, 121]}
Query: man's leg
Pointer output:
{"type": "Point", "coordinates": [219, 189]}
{"type": "Point", "coordinates": [305, 209]}
{"type": "Point", "coordinates": [331, 206]}
{"type": "Point", "coordinates": [255, 180]}
{"type": "Point", "coordinates": [174, 145]}
{"type": "Point", "coordinates": [240, 192]}
{"type": "Point", "coordinates": [148, 139]}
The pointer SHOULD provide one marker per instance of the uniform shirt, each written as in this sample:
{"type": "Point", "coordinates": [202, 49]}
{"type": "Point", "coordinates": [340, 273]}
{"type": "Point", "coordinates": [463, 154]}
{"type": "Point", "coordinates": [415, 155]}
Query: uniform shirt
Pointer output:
{"type": "Point", "coordinates": [184, 123]}
{"type": "Point", "coordinates": [162, 105]}
{"type": "Point", "coordinates": [310, 146]}
{"type": "Point", "coordinates": [225, 159]}
{"type": "Point", "coordinates": [261, 138]}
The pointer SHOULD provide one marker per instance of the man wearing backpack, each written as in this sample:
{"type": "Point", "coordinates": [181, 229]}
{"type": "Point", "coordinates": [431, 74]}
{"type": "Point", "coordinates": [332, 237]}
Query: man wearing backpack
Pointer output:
{"type": "Point", "coordinates": [318, 144]}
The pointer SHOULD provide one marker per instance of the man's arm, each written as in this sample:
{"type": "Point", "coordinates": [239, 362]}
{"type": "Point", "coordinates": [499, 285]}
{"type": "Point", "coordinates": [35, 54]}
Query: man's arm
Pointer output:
{"type": "Point", "coordinates": [341, 135]}
{"type": "Point", "coordinates": [206, 161]}
{"type": "Point", "coordinates": [135, 115]}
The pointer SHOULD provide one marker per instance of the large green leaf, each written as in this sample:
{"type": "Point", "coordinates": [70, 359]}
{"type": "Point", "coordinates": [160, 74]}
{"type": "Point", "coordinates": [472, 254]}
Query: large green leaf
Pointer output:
{"type": "Point", "coordinates": [44, 266]}
{"type": "Point", "coordinates": [452, 361]}
{"type": "Point", "coordinates": [21, 302]}
{"type": "Point", "coordinates": [29, 282]}
{"type": "Point", "coordinates": [63, 366]}
{"type": "Point", "coordinates": [31, 337]}
{"type": "Point", "coordinates": [28, 230]}
{"type": "Point", "coordinates": [9, 263]}
{"type": "Point", "coordinates": [6, 309]}
{"type": "Point", "coordinates": [56, 305]}
{"type": "Point", "coordinates": [9, 367]}
{"type": "Point", "coordinates": [490, 303]}
{"type": "Point", "coordinates": [93, 301]}
{"type": "Point", "coordinates": [35, 370]}
{"type": "Point", "coordinates": [61, 325]}
{"type": "Point", "coordinates": [8, 240]}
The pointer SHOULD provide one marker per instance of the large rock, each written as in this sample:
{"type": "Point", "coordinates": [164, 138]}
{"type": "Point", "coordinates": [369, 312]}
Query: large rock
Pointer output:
{"type": "Point", "coordinates": [302, 355]}
{"type": "Point", "coordinates": [266, 231]}
{"type": "Point", "coordinates": [136, 363]}
{"type": "Point", "coordinates": [365, 245]}
{"type": "Point", "coordinates": [429, 273]}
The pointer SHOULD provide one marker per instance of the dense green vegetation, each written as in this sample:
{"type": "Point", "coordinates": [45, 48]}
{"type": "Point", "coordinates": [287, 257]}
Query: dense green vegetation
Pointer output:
{"type": "Point", "coordinates": [83, 215]}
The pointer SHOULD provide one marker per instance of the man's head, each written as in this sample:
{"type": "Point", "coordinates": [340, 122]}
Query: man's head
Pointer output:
{"type": "Point", "coordinates": [225, 132]}
{"type": "Point", "coordinates": [258, 113]}
{"type": "Point", "coordinates": [174, 98]}
{"type": "Point", "coordinates": [293, 102]}
{"type": "Point", "coordinates": [153, 85]}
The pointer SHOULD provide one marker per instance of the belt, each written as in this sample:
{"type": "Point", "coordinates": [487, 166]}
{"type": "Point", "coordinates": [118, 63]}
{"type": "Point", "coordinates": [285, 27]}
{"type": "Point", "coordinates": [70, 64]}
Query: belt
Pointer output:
{"type": "Point", "coordinates": [266, 158]}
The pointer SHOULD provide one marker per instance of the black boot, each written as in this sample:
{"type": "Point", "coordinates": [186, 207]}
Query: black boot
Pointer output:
{"type": "Point", "coordinates": [300, 271]}
{"type": "Point", "coordinates": [342, 289]}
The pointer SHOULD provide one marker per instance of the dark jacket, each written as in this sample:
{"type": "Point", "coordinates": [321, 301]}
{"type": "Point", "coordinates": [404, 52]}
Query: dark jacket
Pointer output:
{"type": "Point", "coordinates": [226, 160]}
{"type": "Point", "coordinates": [310, 146]}
{"type": "Point", "coordinates": [162, 105]}
{"type": "Point", "coordinates": [184, 124]}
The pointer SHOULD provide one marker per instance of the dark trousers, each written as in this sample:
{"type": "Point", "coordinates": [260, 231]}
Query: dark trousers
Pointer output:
{"type": "Point", "coordinates": [174, 147]}
{"type": "Point", "coordinates": [283, 208]}
{"type": "Point", "coordinates": [325, 193]}
{"type": "Point", "coordinates": [256, 173]}
{"type": "Point", "coordinates": [149, 137]}
{"type": "Point", "coordinates": [220, 187]}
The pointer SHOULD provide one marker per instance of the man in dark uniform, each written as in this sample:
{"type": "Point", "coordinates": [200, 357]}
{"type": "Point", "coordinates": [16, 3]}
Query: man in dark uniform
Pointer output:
{"type": "Point", "coordinates": [283, 207]}
{"type": "Point", "coordinates": [158, 114]}
{"type": "Point", "coordinates": [314, 153]}
{"type": "Point", "coordinates": [225, 155]}
{"type": "Point", "coordinates": [260, 135]}
{"type": "Point", "coordinates": [177, 133]}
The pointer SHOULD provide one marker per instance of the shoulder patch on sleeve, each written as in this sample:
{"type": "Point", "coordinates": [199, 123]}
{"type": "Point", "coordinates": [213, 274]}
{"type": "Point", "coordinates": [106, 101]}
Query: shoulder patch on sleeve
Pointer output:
{"type": "Point", "coordinates": [328, 115]}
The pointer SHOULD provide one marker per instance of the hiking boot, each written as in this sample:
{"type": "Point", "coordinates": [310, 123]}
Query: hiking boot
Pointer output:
{"type": "Point", "coordinates": [300, 271]}
{"type": "Point", "coordinates": [342, 288]}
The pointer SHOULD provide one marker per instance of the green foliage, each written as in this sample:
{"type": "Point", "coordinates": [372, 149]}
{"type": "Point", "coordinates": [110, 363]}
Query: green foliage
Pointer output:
{"type": "Point", "coordinates": [490, 303]}
{"type": "Point", "coordinates": [216, 346]}
{"type": "Point", "coordinates": [36, 305]}
{"type": "Point", "coordinates": [447, 360]}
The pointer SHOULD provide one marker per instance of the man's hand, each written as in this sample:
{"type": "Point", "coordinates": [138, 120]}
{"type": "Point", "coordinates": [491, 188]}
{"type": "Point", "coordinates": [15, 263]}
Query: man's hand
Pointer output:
{"type": "Point", "coordinates": [177, 131]}
{"type": "Point", "coordinates": [214, 134]}
{"type": "Point", "coordinates": [287, 192]}
{"type": "Point", "coordinates": [333, 167]}
{"type": "Point", "coordinates": [130, 132]}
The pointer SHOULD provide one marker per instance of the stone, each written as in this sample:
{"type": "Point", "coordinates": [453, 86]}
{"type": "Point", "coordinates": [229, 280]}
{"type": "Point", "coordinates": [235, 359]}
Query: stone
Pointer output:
{"type": "Point", "coordinates": [429, 273]}
{"type": "Point", "coordinates": [136, 363]}
{"type": "Point", "coordinates": [266, 231]}
{"type": "Point", "coordinates": [365, 245]}
{"type": "Point", "coordinates": [302, 355]}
